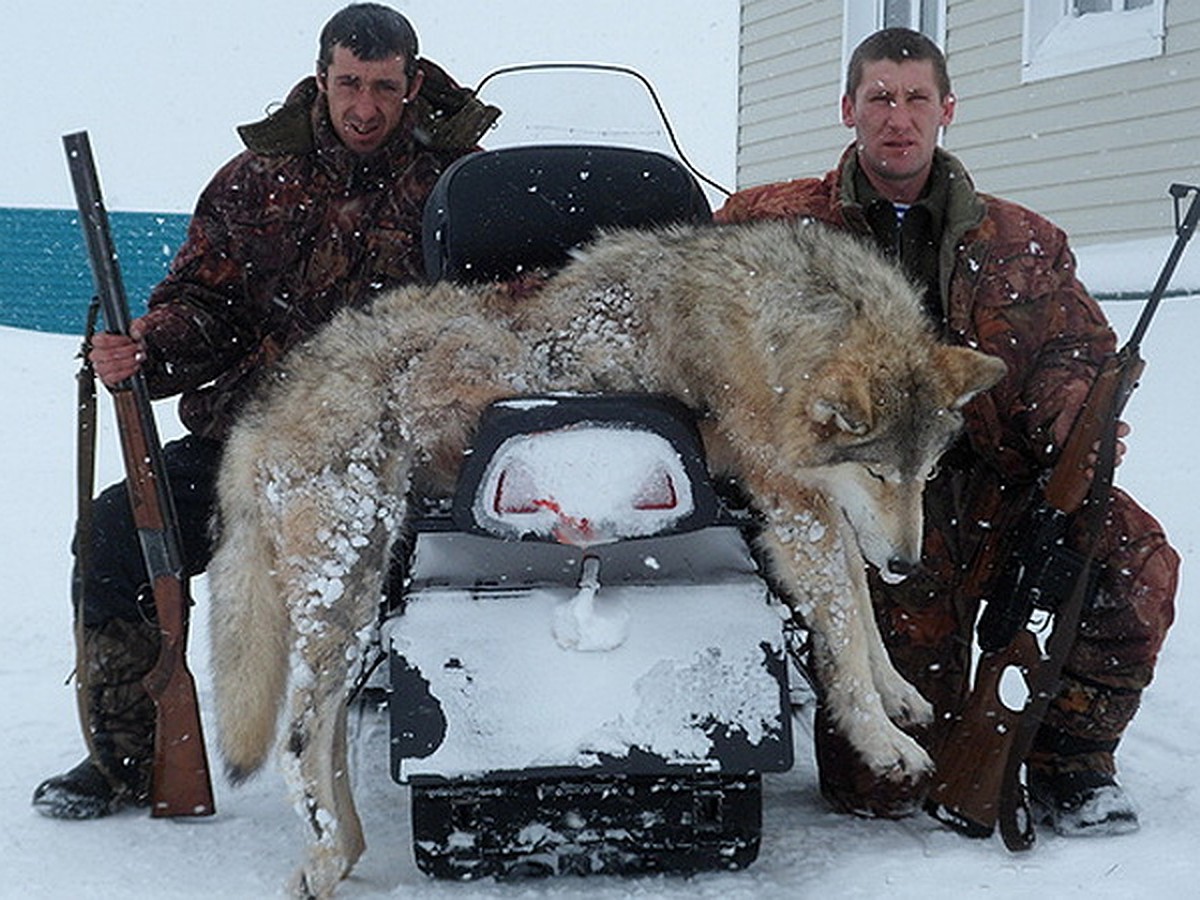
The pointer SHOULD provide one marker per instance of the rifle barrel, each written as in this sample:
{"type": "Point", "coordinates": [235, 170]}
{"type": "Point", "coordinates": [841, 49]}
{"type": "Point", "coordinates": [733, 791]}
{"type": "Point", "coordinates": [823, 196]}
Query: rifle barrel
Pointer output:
{"type": "Point", "coordinates": [94, 219]}
{"type": "Point", "coordinates": [1184, 230]}
{"type": "Point", "coordinates": [160, 542]}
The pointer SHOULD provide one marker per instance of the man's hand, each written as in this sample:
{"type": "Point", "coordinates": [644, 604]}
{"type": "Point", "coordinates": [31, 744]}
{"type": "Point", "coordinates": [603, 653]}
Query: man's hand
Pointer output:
{"type": "Point", "coordinates": [1077, 394]}
{"type": "Point", "coordinates": [115, 356]}
{"type": "Point", "coordinates": [1123, 430]}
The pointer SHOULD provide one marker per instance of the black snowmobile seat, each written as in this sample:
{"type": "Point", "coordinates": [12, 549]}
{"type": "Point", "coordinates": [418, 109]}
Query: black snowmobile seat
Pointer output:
{"type": "Point", "coordinates": [498, 213]}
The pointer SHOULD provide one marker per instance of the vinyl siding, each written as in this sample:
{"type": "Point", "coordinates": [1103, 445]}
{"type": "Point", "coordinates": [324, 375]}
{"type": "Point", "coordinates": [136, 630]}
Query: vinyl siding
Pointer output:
{"type": "Point", "coordinates": [1094, 151]}
{"type": "Point", "coordinates": [788, 89]}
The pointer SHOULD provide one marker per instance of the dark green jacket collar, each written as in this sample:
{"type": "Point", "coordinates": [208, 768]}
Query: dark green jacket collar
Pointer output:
{"type": "Point", "coordinates": [445, 116]}
{"type": "Point", "coordinates": [962, 208]}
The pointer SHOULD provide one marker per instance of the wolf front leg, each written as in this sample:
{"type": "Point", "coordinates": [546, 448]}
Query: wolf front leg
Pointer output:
{"type": "Point", "coordinates": [823, 576]}
{"type": "Point", "coordinates": [902, 702]}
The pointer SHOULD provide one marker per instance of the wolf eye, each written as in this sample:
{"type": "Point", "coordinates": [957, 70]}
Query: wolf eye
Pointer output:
{"type": "Point", "coordinates": [875, 473]}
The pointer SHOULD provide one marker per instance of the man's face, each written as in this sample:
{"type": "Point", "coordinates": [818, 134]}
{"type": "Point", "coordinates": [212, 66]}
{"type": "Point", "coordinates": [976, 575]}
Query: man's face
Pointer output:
{"type": "Point", "coordinates": [896, 113]}
{"type": "Point", "coordinates": [366, 98]}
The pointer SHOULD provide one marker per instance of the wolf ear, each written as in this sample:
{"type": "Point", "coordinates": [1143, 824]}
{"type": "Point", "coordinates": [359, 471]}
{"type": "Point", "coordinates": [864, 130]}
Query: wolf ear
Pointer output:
{"type": "Point", "coordinates": [968, 372]}
{"type": "Point", "coordinates": [845, 404]}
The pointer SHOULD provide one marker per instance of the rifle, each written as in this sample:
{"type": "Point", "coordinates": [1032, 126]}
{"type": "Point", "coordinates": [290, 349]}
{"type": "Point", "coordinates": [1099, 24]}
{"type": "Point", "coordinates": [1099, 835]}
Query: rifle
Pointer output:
{"type": "Point", "coordinates": [180, 782]}
{"type": "Point", "coordinates": [978, 765]}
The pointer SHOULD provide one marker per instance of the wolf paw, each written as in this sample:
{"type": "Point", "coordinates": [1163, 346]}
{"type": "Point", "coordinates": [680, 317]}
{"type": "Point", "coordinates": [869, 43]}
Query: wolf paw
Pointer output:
{"type": "Point", "coordinates": [298, 888]}
{"type": "Point", "coordinates": [904, 704]}
{"type": "Point", "coordinates": [892, 754]}
{"type": "Point", "coordinates": [314, 882]}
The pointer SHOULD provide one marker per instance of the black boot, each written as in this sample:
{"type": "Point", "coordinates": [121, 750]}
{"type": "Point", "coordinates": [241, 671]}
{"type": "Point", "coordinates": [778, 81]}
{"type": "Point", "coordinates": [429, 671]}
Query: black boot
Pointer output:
{"type": "Point", "coordinates": [85, 792]}
{"type": "Point", "coordinates": [1081, 804]}
{"type": "Point", "coordinates": [848, 784]}
{"type": "Point", "coordinates": [118, 721]}
{"type": "Point", "coordinates": [1073, 787]}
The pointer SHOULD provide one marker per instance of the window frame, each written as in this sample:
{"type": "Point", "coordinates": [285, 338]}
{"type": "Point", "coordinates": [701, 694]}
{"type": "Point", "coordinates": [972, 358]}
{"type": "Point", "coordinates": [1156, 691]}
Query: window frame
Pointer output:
{"type": "Point", "coordinates": [1056, 42]}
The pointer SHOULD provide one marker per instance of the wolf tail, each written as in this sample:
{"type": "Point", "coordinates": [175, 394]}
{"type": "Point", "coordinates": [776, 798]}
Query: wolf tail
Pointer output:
{"type": "Point", "coordinates": [250, 627]}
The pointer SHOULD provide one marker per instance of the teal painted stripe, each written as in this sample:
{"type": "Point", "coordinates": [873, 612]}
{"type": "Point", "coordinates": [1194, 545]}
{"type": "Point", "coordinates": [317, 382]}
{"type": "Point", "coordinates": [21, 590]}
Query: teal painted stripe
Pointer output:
{"type": "Point", "coordinates": [45, 281]}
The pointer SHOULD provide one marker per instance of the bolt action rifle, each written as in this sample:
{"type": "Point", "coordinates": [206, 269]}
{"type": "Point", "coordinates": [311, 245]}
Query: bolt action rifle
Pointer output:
{"type": "Point", "coordinates": [978, 766]}
{"type": "Point", "coordinates": [180, 781]}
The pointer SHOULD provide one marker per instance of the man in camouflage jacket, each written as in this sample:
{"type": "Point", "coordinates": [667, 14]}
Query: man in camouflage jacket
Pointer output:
{"type": "Point", "coordinates": [1001, 279]}
{"type": "Point", "coordinates": [322, 210]}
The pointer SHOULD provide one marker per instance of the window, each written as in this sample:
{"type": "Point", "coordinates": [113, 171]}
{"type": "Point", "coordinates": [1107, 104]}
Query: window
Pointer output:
{"type": "Point", "coordinates": [1082, 7]}
{"type": "Point", "coordinates": [1066, 36]}
{"type": "Point", "coordinates": [914, 14]}
{"type": "Point", "coordinates": [862, 17]}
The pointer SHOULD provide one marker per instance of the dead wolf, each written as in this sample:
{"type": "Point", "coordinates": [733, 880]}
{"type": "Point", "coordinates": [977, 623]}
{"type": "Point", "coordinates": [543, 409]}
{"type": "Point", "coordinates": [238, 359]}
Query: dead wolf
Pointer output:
{"type": "Point", "coordinates": [820, 386]}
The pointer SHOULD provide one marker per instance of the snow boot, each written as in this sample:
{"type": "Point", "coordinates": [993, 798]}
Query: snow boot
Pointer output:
{"type": "Point", "coordinates": [850, 787]}
{"type": "Point", "coordinates": [117, 716]}
{"type": "Point", "coordinates": [1073, 789]}
{"type": "Point", "coordinates": [1081, 804]}
{"type": "Point", "coordinates": [1071, 772]}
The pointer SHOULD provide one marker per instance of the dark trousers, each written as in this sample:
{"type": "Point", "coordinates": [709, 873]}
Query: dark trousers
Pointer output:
{"type": "Point", "coordinates": [115, 585]}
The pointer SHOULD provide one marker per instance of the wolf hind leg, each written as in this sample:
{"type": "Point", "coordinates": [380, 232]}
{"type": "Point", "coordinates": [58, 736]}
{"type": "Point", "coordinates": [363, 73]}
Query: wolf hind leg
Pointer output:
{"type": "Point", "coordinates": [334, 581]}
{"type": "Point", "coordinates": [315, 757]}
{"type": "Point", "coordinates": [316, 767]}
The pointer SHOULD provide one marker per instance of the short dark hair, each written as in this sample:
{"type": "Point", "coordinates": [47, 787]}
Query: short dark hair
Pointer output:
{"type": "Point", "coordinates": [898, 45]}
{"type": "Point", "coordinates": [370, 31]}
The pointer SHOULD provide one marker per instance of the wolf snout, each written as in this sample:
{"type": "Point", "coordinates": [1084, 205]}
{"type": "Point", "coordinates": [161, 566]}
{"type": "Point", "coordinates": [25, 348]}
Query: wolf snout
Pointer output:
{"type": "Point", "coordinates": [898, 568]}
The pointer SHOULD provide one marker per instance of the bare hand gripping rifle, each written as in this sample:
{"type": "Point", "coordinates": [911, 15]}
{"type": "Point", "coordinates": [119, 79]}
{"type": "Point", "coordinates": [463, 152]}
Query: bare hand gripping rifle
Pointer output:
{"type": "Point", "coordinates": [978, 777]}
{"type": "Point", "coordinates": [180, 782]}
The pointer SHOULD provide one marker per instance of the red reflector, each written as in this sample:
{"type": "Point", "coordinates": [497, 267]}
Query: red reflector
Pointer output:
{"type": "Point", "coordinates": [657, 492]}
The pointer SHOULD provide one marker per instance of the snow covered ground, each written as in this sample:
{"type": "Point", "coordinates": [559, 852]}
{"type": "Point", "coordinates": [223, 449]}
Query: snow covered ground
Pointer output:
{"type": "Point", "coordinates": [249, 848]}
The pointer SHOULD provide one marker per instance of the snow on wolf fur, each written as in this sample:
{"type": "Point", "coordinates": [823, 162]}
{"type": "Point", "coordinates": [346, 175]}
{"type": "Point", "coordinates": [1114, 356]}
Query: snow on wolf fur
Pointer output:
{"type": "Point", "coordinates": [820, 385]}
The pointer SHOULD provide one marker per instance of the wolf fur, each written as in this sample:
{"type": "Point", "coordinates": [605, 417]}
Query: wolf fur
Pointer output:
{"type": "Point", "coordinates": [821, 386]}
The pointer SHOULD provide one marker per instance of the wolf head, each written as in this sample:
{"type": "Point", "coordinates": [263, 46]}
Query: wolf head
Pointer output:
{"type": "Point", "coordinates": [885, 426]}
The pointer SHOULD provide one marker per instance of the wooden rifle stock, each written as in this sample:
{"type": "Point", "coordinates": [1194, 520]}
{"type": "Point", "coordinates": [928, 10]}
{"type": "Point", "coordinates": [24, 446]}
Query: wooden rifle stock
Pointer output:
{"type": "Point", "coordinates": [180, 781]}
{"type": "Point", "coordinates": [978, 763]}
{"type": "Point", "coordinates": [970, 767]}
{"type": "Point", "coordinates": [973, 787]}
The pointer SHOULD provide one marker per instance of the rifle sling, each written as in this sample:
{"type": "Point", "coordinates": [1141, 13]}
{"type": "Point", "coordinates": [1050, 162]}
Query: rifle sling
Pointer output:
{"type": "Point", "coordinates": [85, 481]}
{"type": "Point", "coordinates": [85, 442]}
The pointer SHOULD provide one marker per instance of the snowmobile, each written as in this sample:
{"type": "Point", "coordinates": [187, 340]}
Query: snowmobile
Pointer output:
{"type": "Point", "coordinates": [586, 671]}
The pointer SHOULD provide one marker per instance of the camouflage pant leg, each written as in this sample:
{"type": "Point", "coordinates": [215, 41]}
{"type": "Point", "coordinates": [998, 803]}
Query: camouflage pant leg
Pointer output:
{"type": "Point", "coordinates": [1121, 631]}
{"type": "Point", "coordinates": [116, 712]}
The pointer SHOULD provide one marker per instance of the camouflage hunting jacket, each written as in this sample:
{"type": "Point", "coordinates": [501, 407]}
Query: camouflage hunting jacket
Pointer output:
{"type": "Point", "coordinates": [1008, 287]}
{"type": "Point", "coordinates": [287, 233]}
